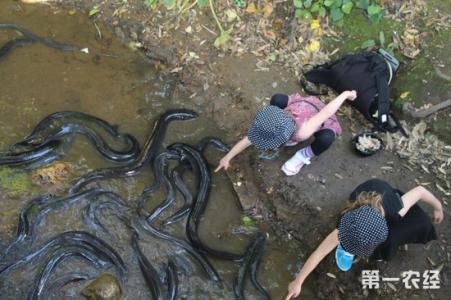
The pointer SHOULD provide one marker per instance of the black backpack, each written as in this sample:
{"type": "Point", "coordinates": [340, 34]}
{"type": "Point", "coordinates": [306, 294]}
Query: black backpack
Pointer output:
{"type": "Point", "coordinates": [369, 73]}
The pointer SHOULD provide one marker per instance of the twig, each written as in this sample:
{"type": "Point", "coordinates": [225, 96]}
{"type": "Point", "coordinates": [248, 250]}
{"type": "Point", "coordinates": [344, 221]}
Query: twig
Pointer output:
{"type": "Point", "coordinates": [423, 113]}
{"type": "Point", "coordinates": [215, 16]}
{"type": "Point", "coordinates": [99, 33]}
{"type": "Point", "coordinates": [292, 28]}
{"type": "Point", "coordinates": [441, 75]}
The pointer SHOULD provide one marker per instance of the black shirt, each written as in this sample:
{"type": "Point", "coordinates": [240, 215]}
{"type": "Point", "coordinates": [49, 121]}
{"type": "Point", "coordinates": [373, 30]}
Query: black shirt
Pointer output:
{"type": "Point", "coordinates": [391, 198]}
{"type": "Point", "coordinates": [415, 227]}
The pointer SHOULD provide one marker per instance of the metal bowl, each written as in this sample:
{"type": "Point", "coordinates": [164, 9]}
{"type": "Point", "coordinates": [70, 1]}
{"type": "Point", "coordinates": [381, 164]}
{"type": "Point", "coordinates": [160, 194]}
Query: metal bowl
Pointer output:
{"type": "Point", "coordinates": [368, 152]}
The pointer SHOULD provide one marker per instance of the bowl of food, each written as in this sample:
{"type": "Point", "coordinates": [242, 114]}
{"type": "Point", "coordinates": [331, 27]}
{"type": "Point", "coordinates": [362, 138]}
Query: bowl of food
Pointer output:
{"type": "Point", "coordinates": [367, 143]}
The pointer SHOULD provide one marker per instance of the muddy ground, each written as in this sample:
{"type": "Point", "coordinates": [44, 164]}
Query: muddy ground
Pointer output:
{"type": "Point", "coordinates": [304, 207]}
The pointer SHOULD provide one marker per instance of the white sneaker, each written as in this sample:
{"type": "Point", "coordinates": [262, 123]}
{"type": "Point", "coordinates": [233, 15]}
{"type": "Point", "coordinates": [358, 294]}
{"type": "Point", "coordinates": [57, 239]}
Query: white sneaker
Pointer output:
{"type": "Point", "coordinates": [292, 166]}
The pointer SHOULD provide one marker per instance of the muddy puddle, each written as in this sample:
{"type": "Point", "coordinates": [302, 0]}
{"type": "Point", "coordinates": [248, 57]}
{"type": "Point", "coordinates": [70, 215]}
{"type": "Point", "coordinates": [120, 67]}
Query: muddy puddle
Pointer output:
{"type": "Point", "coordinates": [121, 86]}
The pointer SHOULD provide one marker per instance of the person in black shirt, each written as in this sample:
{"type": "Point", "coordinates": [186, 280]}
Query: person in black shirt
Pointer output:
{"type": "Point", "coordinates": [377, 221]}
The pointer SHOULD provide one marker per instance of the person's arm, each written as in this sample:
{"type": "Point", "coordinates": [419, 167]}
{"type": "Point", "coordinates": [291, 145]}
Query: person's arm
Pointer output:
{"type": "Point", "coordinates": [224, 163]}
{"type": "Point", "coordinates": [310, 126]}
{"type": "Point", "coordinates": [421, 193]}
{"type": "Point", "coordinates": [327, 245]}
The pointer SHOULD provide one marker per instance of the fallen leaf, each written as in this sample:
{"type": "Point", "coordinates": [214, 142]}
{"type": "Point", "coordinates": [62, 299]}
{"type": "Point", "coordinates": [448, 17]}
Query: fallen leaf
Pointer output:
{"type": "Point", "coordinates": [313, 46]}
{"type": "Point", "coordinates": [404, 95]}
{"type": "Point", "coordinates": [267, 10]}
{"type": "Point", "coordinates": [331, 275]}
{"type": "Point", "coordinates": [189, 29]}
{"type": "Point", "coordinates": [251, 8]}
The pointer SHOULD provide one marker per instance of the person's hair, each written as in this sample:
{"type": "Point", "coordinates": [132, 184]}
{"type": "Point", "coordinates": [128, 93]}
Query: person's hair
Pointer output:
{"type": "Point", "coordinates": [372, 199]}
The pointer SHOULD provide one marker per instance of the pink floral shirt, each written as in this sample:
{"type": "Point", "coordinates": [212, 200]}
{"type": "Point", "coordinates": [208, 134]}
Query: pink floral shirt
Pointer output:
{"type": "Point", "coordinates": [302, 108]}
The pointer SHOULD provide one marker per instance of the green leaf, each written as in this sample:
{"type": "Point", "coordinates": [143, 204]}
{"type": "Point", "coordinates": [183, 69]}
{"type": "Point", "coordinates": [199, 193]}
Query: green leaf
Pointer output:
{"type": "Point", "coordinates": [222, 39]}
{"type": "Point", "coordinates": [169, 4]}
{"type": "Point", "coordinates": [315, 7]}
{"type": "Point", "coordinates": [363, 4]}
{"type": "Point", "coordinates": [337, 3]}
{"type": "Point", "coordinates": [297, 3]}
{"type": "Point", "coordinates": [382, 38]}
{"type": "Point", "coordinates": [374, 9]}
{"type": "Point", "coordinates": [307, 3]}
{"type": "Point", "coordinates": [247, 221]}
{"type": "Point", "coordinates": [149, 2]}
{"type": "Point", "coordinates": [367, 44]}
{"type": "Point", "coordinates": [329, 3]}
{"type": "Point", "coordinates": [302, 14]}
{"type": "Point", "coordinates": [202, 3]}
{"type": "Point", "coordinates": [346, 8]}
{"type": "Point", "coordinates": [336, 14]}
{"type": "Point", "coordinates": [94, 11]}
{"type": "Point", "coordinates": [322, 12]}
{"type": "Point", "coordinates": [377, 17]}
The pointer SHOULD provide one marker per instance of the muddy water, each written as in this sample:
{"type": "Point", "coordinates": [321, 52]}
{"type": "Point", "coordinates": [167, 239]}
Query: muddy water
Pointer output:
{"type": "Point", "coordinates": [121, 86]}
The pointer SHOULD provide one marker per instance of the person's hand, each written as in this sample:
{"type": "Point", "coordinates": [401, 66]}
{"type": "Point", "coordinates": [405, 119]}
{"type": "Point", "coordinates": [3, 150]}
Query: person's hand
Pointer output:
{"type": "Point", "coordinates": [224, 163]}
{"type": "Point", "coordinates": [350, 95]}
{"type": "Point", "coordinates": [438, 215]}
{"type": "Point", "coordinates": [294, 289]}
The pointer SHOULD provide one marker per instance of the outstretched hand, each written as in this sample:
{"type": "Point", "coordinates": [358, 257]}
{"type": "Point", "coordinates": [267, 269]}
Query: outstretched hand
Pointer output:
{"type": "Point", "coordinates": [224, 163]}
{"type": "Point", "coordinates": [294, 289]}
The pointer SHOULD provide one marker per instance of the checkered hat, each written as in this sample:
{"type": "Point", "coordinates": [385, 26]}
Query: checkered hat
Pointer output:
{"type": "Point", "coordinates": [271, 128]}
{"type": "Point", "coordinates": [361, 230]}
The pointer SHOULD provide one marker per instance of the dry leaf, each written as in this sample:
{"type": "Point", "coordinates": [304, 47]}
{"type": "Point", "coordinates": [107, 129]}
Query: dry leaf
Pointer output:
{"type": "Point", "coordinates": [251, 8]}
{"type": "Point", "coordinates": [331, 275]}
{"type": "Point", "coordinates": [267, 10]}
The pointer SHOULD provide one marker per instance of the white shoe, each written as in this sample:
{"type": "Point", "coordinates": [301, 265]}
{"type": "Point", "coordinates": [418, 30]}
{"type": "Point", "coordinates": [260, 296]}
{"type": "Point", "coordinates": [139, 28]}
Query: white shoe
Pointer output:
{"type": "Point", "coordinates": [292, 166]}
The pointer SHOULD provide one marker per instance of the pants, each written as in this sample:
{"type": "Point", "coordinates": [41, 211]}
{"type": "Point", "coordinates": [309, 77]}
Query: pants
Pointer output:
{"type": "Point", "coordinates": [323, 138]}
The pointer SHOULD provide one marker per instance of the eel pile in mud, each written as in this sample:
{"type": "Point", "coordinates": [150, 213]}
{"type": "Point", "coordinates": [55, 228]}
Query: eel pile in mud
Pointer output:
{"type": "Point", "coordinates": [49, 141]}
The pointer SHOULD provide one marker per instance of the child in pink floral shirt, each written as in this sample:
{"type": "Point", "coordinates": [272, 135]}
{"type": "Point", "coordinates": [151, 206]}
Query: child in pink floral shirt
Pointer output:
{"type": "Point", "coordinates": [290, 120]}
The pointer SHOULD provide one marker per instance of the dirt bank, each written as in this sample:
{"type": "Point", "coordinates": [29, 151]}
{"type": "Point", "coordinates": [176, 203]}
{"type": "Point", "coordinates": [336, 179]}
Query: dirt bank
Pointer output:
{"type": "Point", "coordinates": [230, 88]}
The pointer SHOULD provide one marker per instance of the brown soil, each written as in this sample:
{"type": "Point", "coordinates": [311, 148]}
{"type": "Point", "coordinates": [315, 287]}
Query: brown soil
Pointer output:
{"type": "Point", "coordinates": [304, 207]}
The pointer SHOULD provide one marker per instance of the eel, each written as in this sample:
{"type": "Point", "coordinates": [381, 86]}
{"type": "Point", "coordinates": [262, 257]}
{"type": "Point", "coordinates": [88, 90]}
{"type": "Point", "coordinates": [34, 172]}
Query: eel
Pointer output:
{"type": "Point", "coordinates": [249, 266]}
{"type": "Point", "coordinates": [150, 274]}
{"type": "Point", "coordinates": [56, 258]}
{"type": "Point", "coordinates": [200, 204]}
{"type": "Point", "coordinates": [30, 155]}
{"type": "Point", "coordinates": [35, 210]}
{"type": "Point", "coordinates": [30, 38]}
{"type": "Point", "coordinates": [172, 278]}
{"type": "Point", "coordinates": [147, 155]}
{"type": "Point", "coordinates": [67, 239]}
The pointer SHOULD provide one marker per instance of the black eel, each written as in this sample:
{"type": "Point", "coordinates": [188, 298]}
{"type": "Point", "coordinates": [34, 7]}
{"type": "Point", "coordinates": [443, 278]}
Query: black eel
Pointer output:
{"type": "Point", "coordinates": [29, 38]}
{"type": "Point", "coordinates": [150, 274]}
{"type": "Point", "coordinates": [249, 266]}
{"type": "Point", "coordinates": [30, 155]}
{"type": "Point", "coordinates": [214, 142]}
{"type": "Point", "coordinates": [172, 279]}
{"type": "Point", "coordinates": [148, 153]}
{"type": "Point", "coordinates": [56, 132]}
{"type": "Point", "coordinates": [41, 280]}
{"type": "Point", "coordinates": [200, 204]}
{"type": "Point", "coordinates": [106, 200]}
{"type": "Point", "coordinates": [160, 167]}
{"type": "Point", "coordinates": [176, 177]}
{"type": "Point", "coordinates": [68, 239]}
{"type": "Point", "coordinates": [33, 212]}
{"type": "Point", "coordinates": [12, 44]}
{"type": "Point", "coordinates": [51, 120]}
{"type": "Point", "coordinates": [145, 227]}
{"type": "Point", "coordinates": [65, 279]}
{"type": "Point", "coordinates": [102, 147]}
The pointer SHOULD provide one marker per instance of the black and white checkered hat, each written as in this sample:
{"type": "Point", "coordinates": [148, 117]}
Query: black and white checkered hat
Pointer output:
{"type": "Point", "coordinates": [361, 230]}
{"type": "Point", "coordinates": [271, 128]}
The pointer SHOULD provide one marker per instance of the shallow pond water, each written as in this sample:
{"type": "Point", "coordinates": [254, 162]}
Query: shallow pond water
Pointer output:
{"type": "Point", "coordinates": [121, 86]}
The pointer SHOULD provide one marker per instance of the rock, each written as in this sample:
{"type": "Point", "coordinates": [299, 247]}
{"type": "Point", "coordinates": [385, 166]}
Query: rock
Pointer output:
{"type": "Point", "coordinates": [104, 287]}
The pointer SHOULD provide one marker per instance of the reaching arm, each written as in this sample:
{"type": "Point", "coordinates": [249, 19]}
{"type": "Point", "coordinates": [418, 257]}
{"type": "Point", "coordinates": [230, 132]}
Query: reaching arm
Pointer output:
{"type": "Point", "coordinates": [421, 193]}
{"type": "Point", "coordinates": [310, 127]}
{"type": "Point", "coordinates": [328, 244]}
{"type": "Point", "coordinates": [224, 163]}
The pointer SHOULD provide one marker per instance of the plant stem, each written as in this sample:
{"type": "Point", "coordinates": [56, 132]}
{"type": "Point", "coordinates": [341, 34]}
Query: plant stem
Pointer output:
{"type": "Point", "coordinates": [215, 16]}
